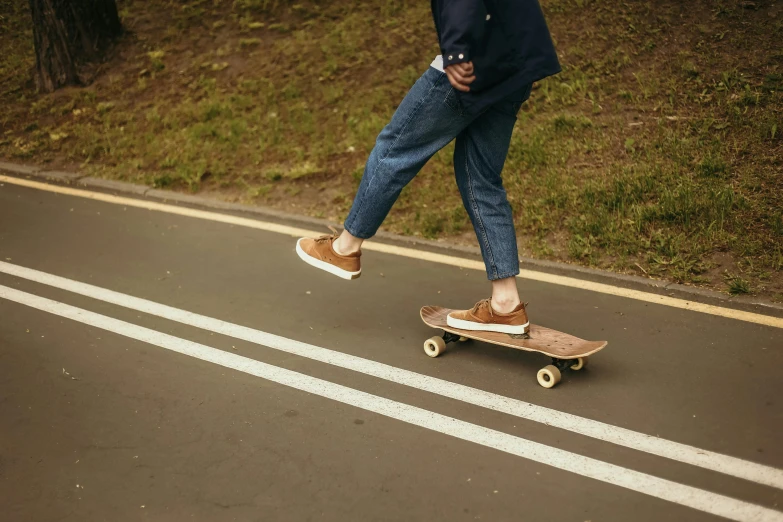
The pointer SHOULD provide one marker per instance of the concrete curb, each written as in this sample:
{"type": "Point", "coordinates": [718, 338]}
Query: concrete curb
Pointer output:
{"type": "Point", "coordinates": [112, 186]}
{"type": "Point", "coordinates": [654, 286]}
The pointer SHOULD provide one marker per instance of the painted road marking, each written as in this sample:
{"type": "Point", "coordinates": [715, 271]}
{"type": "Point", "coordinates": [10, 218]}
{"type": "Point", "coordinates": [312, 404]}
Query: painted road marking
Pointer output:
{"type": "Point", "coordinates": [689, 496]}
{"type": "Point", "coordinates": [740, 315]}
{"type": "Point", "coordinates": [733, 466]}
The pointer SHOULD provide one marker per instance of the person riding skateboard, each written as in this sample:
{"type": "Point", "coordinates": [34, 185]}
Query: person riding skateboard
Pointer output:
{"type": "Point", "coordinates": [492, 53]}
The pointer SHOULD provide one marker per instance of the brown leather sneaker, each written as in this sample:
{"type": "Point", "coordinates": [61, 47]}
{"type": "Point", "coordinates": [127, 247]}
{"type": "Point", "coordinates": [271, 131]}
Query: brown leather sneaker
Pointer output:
{"type": "Point", "coordinates": [483, 318]}
{"type": "Point", "coordinates": [320, 254]}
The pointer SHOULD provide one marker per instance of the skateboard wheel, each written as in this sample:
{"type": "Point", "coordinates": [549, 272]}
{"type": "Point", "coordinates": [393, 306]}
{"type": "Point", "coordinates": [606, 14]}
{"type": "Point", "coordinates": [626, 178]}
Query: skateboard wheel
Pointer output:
{"type": "Point", "coordinates": [434, 346]}
{"type": "Point", "coordinates": [463, 339]}
{"type": "Point", "coordinates": [580, 363]}
{"type": "Point", "coordinates": [548, 376]}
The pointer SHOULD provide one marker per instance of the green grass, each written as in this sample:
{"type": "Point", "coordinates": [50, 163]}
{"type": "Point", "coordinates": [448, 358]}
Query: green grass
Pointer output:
{"type": "Point", "coordinates": [657, 151]}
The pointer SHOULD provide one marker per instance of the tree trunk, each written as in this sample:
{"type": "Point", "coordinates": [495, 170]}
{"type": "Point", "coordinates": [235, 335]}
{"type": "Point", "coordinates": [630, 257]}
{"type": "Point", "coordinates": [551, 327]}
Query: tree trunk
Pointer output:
{"type": "Point", "coordinates": [68, 34]}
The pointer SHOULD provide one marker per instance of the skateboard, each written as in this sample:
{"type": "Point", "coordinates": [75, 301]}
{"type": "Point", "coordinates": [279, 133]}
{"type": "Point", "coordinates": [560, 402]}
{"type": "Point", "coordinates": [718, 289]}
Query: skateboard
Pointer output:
{"type": "Point", "coordinates": [567, 352]}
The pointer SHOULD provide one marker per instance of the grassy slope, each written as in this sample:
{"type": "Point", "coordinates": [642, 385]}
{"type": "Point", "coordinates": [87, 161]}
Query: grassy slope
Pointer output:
{"type": "Point", "coordinates": [657, 151]}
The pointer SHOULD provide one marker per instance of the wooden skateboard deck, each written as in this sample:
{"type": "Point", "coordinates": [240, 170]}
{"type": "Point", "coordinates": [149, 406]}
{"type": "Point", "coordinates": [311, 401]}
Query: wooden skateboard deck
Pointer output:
{"type": "Point", "coordinates": [566, 350]}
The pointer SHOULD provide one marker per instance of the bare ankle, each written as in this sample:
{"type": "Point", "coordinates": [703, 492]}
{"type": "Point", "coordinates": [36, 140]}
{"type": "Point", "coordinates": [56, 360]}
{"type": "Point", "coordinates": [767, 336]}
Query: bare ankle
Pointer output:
{"type": "Point", "coordinates": [505, 305]}
{"type": "Point", "coordinates": [346, 245]}
{"type": "Point", "coordinates": [337, 247]}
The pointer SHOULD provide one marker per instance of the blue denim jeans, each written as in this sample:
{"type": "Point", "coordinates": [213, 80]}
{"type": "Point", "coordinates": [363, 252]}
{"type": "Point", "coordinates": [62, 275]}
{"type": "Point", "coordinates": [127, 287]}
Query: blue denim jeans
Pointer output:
{"type": "Point", "coordinates": [428, 119]}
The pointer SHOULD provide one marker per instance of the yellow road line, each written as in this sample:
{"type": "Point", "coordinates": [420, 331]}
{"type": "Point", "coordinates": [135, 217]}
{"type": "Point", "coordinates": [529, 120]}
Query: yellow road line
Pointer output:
{"type": "Point", "coordinates": [571, 282]}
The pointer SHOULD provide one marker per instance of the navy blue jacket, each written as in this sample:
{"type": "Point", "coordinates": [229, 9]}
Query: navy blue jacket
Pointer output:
{"type": "Point", "coordinates": [507, 40]}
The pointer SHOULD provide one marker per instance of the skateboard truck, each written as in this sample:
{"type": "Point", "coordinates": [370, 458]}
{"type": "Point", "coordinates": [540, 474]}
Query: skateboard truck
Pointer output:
{"type": "Point", "coordinates": [449, 337]}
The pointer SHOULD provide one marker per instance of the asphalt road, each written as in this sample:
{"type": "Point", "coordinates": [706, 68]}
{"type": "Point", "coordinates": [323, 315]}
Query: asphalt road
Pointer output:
{"type": "Point", "coordinates": [102, 419]}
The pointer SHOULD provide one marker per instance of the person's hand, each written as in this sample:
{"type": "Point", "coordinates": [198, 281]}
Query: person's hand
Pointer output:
{"type": "Point", "coordinates": [460, 75]}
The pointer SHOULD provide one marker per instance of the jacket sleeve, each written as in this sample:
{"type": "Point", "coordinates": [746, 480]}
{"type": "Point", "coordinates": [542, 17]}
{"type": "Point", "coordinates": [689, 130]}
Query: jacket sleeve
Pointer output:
{"type": "Point", "coordinates": [462, 25]}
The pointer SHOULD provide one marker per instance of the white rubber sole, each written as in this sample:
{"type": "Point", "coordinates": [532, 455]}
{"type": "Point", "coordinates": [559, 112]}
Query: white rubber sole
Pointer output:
{"type": "Point", "coordinates": [481, 327]}
{"type": "Point", "coordinates": [317, 263]}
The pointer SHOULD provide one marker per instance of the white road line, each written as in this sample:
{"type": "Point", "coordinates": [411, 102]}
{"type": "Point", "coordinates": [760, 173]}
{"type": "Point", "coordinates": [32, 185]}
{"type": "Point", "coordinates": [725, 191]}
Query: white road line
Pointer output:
{"type": "Point", "coordinates": [689, 496]}
{"type": "Point", "coordinates": [740, 315]}
{"type": "Point", "coordinates": [733, 466]}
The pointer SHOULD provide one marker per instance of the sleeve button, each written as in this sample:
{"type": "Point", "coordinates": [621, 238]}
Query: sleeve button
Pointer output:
{"type": "Point", "coordinates": [488, 17]}
{"type": "Point", "coordinates": [451, 57]}
{"type": "Point", "coordinates": [461, 56]}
